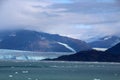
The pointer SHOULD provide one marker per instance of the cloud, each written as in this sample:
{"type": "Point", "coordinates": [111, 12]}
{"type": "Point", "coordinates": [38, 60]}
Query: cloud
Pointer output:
{"type": "Point", "coordinates": [81, 19]}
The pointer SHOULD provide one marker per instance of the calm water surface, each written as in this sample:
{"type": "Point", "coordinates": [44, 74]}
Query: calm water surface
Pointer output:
{"type": "Point", "coordinates": [59, 71]}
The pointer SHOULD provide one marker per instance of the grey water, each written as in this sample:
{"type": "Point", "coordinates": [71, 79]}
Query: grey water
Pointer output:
{"type": "Point", "coordinates": [45, 70]}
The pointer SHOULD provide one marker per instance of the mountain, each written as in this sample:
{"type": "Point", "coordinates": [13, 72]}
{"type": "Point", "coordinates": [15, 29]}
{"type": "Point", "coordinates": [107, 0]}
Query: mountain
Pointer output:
{"type": "Point", "coordinates": [105, 42]}
{"type": "Point", "coordinates": [28, 40]}
{"type": "Point", "coordinates": [110, 55]}
{"type": "Point", "coordinates": [91, 55]}
{"type": "Point", "coordinates": [115, 49]}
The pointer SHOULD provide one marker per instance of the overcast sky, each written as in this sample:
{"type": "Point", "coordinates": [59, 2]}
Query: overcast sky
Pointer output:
{"type": "Point", "coordinates": [82, 19]}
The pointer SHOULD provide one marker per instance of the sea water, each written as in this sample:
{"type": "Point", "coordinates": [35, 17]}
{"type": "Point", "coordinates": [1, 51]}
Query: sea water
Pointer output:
{"type": "Point", "coordinates": [45, 70]}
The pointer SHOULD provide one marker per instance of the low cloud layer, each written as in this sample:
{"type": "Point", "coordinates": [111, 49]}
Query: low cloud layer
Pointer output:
{"type": "Point", "coordinates": [82, 19]}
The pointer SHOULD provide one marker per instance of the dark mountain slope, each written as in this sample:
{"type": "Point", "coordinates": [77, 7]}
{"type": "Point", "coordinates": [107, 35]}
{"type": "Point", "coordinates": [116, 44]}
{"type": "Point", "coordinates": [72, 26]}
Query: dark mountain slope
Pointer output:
{"type": "Point", "coordinates": [115, 49]}
{"type": "Point", "coordinates": [39, 41]}
{"type": "Point", "coordinates": [111, 55]}
{"type": "Point", "coordinates": [91, 55]}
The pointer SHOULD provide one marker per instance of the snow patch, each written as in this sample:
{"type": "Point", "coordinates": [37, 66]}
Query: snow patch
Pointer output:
{"type": "Point", "coordinates": [106, 38]}
{"type": "Point", "coordinates": [101, 49]}
{"type": "Point", "coordinates": [67, 46]}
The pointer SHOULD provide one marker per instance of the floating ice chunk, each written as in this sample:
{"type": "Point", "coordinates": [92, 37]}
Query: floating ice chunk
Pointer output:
{"type": "Point", "coordinates": [25, 72]}
{"type": "Point", "coordinates": [29, 78]}
{"type": "Point", "coordinates": [96, 79]}
{"type": "Point", "coordinates": [16, 72]}
{"type": "Point", "coordinates": [36, 79]}
{"type": "Point", "coordinates": [10, 76]}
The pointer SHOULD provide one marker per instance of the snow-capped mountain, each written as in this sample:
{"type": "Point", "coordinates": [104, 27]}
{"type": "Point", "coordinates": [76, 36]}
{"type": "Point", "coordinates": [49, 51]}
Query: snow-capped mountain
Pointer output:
{"type": "Point", "coordinates": [39, 41]}
{"type": "Point", "coordinates": [105, 42]}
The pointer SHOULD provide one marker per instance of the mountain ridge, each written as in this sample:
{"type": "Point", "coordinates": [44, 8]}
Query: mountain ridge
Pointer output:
{"type": "Point", "coordinates": [110, 55]}
{"type": "Point", "coordinates": [29, 40]}
{"type": "Point", "coordinates": [105, 42]}
{"type": "Point", "coordinates": [115, 49]}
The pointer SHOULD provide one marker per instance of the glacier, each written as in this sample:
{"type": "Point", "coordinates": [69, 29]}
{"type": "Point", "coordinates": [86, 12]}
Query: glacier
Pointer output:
{"type": "Point", "coordinates": [67, 46]}
{"type": "Point", "coordinates": [6, 54]}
